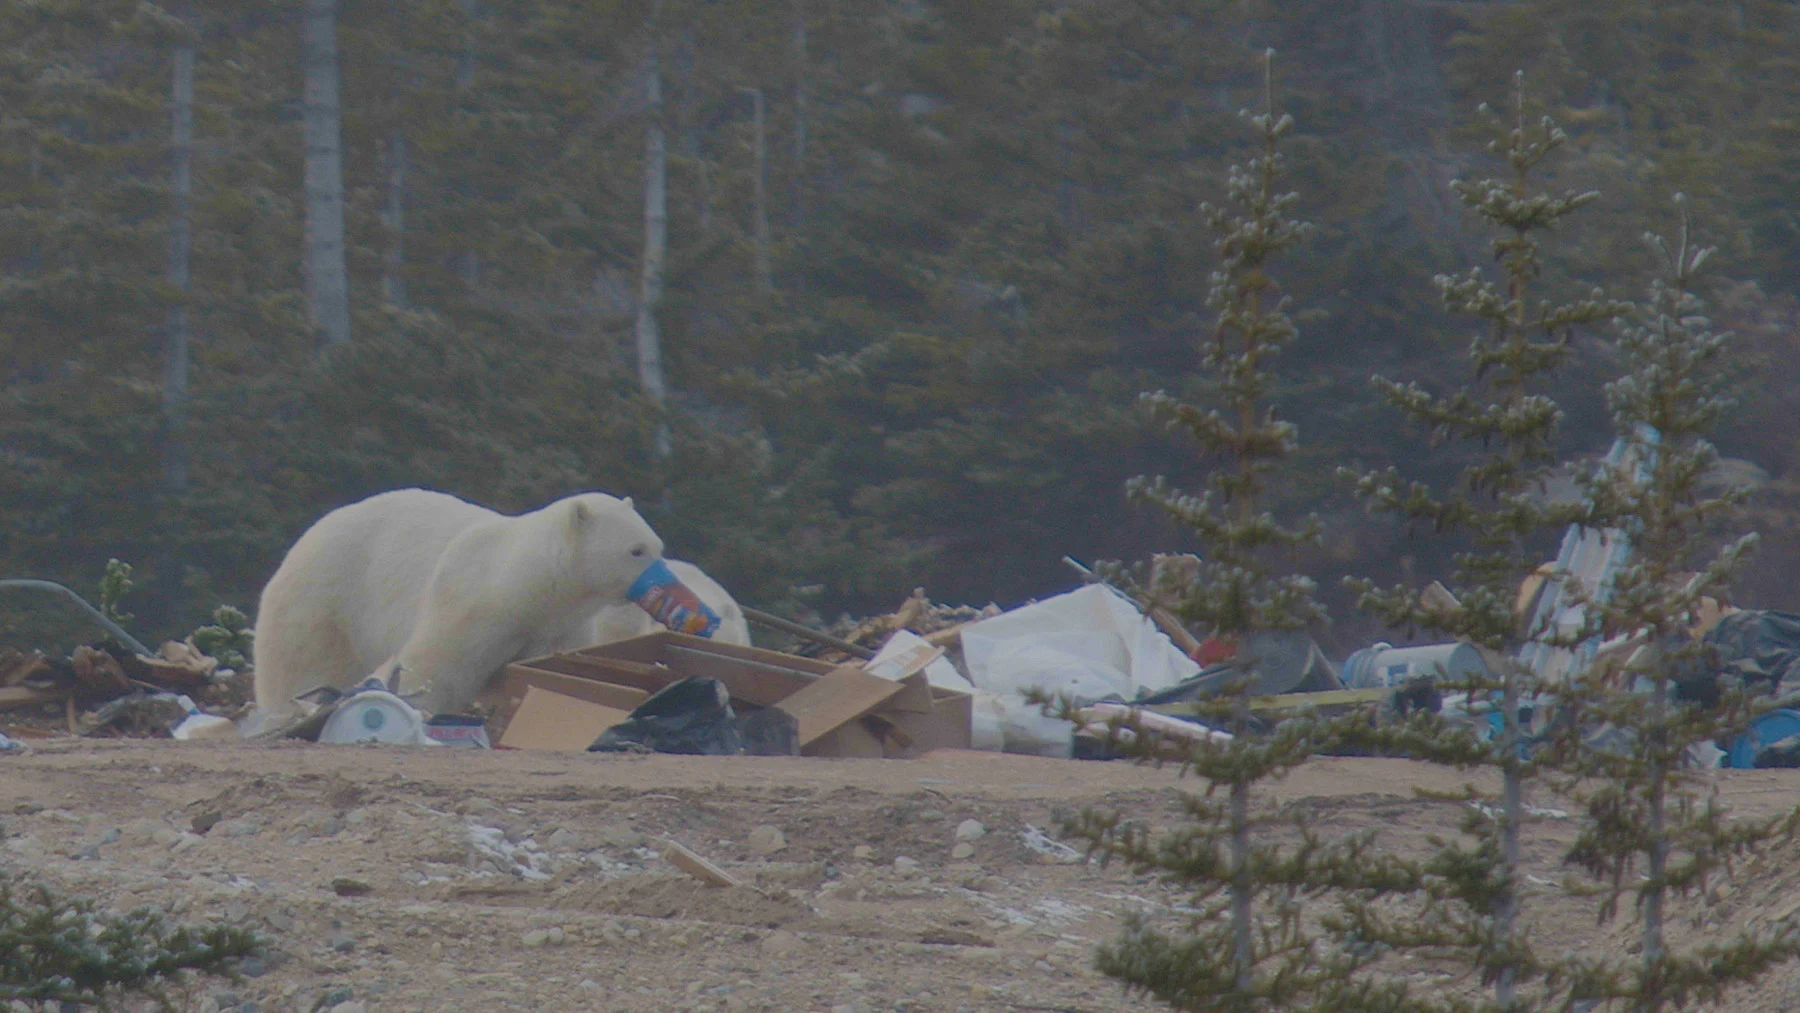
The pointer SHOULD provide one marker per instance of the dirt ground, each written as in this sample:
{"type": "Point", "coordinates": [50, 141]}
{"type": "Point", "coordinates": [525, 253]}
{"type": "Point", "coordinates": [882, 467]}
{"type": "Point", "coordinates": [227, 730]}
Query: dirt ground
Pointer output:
{"type": "Point", "coordinates": [531, 881]}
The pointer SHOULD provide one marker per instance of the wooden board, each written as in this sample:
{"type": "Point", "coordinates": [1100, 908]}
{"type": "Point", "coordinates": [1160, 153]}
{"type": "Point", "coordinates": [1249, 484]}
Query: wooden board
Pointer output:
{"type": "Point", "coordinates": [844, 695]}
{"type": "Point", "coordinates": [519, 678]}
{"type": "Point", "coordinates": [548, 720]}
{"type": "Point", "coordinates": [25, 696]}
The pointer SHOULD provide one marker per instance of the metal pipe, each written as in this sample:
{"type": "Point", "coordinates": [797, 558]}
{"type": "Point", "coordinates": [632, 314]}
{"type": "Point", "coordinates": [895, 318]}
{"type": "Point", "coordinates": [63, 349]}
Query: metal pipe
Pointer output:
{"type": "Point", "coordinates": [807, 632]}
{"type": "Point", "coordinates": [93, 613]}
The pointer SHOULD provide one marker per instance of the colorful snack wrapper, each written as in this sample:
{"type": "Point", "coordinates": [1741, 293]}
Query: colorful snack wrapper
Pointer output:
{"type": "Point", "coordinates": [659, 592]}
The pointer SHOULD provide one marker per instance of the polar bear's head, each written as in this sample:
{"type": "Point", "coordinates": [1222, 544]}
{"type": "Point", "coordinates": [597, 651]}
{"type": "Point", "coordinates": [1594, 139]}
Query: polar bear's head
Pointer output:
{"type": "Point", "coordinates": [612, 543]}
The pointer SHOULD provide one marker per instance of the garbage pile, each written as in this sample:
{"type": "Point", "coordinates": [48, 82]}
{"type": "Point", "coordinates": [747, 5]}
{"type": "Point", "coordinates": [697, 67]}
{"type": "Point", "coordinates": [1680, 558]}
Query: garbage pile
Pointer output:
{"type": "Point", "coordinates": [112, 690]}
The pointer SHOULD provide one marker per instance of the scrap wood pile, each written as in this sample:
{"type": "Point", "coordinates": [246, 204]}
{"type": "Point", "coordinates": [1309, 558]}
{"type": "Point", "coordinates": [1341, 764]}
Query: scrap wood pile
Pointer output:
{"type": "Point", "coordinates": [112, 690]}
{"type": "Point", "coordinates": [939, 624]}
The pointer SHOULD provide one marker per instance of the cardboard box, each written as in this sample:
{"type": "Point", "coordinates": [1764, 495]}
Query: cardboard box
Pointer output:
{"type": "Point", "coordinates": [842, 710]}
{"type": "Point", "coordinates": [549, 720]}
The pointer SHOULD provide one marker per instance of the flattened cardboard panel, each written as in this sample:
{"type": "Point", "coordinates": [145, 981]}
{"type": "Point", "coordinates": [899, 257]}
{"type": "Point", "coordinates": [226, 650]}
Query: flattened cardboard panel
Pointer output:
{"type": "Point", "coordinates": [648, 649]}
{"type": "Point", "coordinates": [743, 680]}
{"type": "Point", "coordinates": [547, 720]}
{"type": "Point", "coordinates": [948, 726]}
{"type": "Point", "coordinates": [844, 695]}
{"type": "Point", "coordinates": [607, 694]}
{"type": "Point", "coordinates": [635, 674]}
{"type": "Point", "coordinates": [853, 741]}
{"type": "Point", "coordinates": [914, 696]}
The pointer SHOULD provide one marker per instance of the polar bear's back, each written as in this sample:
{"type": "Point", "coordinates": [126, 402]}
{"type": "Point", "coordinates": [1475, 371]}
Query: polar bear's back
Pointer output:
{"type": "Point", "coordinates": [348, 593]}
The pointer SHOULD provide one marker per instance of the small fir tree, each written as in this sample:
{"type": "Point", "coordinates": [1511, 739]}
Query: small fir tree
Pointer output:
{"type": "Point", "coordinates": [1495, 503]}
{"type": "Point", "coordinates": [60, 949]}
{"type": "Point", "coordinates": [1650, 831]}
{"type": "Point", "coordinates": [1252, 945]}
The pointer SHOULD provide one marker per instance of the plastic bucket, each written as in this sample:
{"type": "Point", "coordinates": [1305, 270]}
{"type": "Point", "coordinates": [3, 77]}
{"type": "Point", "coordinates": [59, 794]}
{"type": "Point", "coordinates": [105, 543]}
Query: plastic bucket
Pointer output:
{"type": "Point", "coordinates": [662, 594]}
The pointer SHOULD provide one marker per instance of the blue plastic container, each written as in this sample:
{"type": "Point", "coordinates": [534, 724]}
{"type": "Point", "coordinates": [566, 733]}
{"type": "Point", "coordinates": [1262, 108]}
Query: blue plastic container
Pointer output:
{"type": "Point", "coordinates": [1765, 730]}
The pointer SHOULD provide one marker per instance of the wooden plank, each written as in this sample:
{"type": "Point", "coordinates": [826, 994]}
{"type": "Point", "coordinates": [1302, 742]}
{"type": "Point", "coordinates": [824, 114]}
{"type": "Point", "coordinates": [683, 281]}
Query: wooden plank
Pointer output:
{"type": "Point", "coordinates": [697, 867]}
{"type": "Point", "coordinates": [835, 699]}
{"type": "Point", "coordinates": [948, 635]}
{"type": "Point", "coordinates": [25, 696]}
{"type": "Point", "coordinates": [607, 694]}
{"type": "Point", "coordinates": [654, 648]}
{"type": "Point", "coordinates": [547, 720]}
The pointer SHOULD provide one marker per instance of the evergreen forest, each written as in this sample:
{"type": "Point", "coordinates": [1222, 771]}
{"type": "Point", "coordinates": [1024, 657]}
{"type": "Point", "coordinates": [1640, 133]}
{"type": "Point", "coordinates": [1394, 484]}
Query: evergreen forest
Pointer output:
{"type": "Point", "coordinates": [852, 296]}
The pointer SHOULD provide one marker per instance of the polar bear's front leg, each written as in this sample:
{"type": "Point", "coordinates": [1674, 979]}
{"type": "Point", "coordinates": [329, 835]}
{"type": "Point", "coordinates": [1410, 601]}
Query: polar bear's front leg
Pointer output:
{"type": "Point", "coordinates": [447, 661]}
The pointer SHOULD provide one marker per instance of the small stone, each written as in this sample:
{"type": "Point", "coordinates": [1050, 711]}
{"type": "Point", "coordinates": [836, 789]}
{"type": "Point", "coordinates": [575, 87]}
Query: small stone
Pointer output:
{"type": "Point", "coordinates": [239, 828]}
{"type": "Point", "coordinates": [535, 938]}
{"type": "Point", "coordinates": [87, 852]}
{"type": "Point", "coordinates": [962, 851]}
{"type": "Point", "coordinates": [863, 853]}
{"type": "Point", "coordinates": [185, 842]}
{"type": "Point", "coordinates": [1043, 965]}
{"type": "Point", "coordinates": [349, 1007]}
{"type": "Point", "coordinates": [253, 967]}
{"type": "Point", "coordinates": [778, 942]}
{"type": "Point", "coordinates": [165, 836]}
{"type": "Point", "coordinates": [618, 835]}
{"type": "Point", "coordinates": [970, 830]}
{"type": "Point", "coordinates": [280, 921]}
{"type": "Point", "coordinates": [333, 998]}
{"type": "Point", "coordinates": [356, 817]}
{"type": "Point", "coordinates": [905, 864]}
{"type": "Point", "coordinates": [112, 834]}
{"type": "Point", "coordinates": [345, 886]}
{"type": "Point", "coordinates": [556, 936]}
{"type": "Point", "coordinates": [766, 840]}
{"type": "Point", "coordinates": [340, 941]}
{"type": "Point", "coordinates": [931, 815]}
{"type": "Point", "coordinates": [560, 839]}
{"type": "Point", "coordinates": [206, 821]}
{"type": "Point", "coordinates": [589, 985]}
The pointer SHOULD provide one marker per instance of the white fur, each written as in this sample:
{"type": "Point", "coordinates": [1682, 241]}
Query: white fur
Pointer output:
{"type": "Point", "coordinates": [622, 622]}
{"type": "Point", "coordinates": [448, 590]}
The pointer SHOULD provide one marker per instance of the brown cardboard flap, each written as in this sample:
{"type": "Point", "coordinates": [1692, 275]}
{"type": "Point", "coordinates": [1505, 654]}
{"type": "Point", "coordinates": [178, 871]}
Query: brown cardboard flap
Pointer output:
{"type": "Point", "coordinates": [519, 678]}
{"type": "Point", "coordinates": [853, 740]}
{"type": "Point", "coordinates": [842, 696]}
{"type": "Point", "coordinates": [550, 720]}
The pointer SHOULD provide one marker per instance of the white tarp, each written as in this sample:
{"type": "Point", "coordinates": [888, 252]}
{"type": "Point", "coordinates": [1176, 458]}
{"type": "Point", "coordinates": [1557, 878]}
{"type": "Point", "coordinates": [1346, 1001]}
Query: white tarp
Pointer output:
{"type": "Point", "coordinates": [1086, 644]}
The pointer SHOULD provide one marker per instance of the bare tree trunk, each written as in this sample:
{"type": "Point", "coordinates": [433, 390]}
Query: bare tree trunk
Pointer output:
{"type": "Point", "coordinates": [656, 235]}
{"type": "Point", "coordinates": [327, 283]}
{"type": "Point", "coordinates": [690, 136]}
{"type": "Point", "coordinates": [181, 245]}
{"type": "Point", "coordinates": [1512, 816]}
{"type": "Point", "coordinates": [799, 110]}
{"type": "Point", "coordinates": [393, 264]}
{"type": "Point", "coordinates": [468, 262]}
{"type": "Point", "coordinates": [760, 199]}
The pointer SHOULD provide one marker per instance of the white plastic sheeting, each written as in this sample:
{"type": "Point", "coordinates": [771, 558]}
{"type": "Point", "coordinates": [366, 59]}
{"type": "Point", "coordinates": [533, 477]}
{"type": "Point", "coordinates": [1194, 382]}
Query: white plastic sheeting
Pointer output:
{"type": "Point", "coordinates": [1087, 644]}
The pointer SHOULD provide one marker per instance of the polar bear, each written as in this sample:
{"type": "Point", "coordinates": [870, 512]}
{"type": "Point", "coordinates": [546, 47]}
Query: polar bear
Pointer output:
{"type": "Point", "coordinates": [446, 590]}
{"type": "Point", "coordinates": [622, 622]}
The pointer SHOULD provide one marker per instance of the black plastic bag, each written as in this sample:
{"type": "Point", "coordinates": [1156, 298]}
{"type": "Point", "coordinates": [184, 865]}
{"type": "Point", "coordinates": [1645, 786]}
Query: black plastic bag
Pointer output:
{"type": "Point", "coordinates": [693, 717]}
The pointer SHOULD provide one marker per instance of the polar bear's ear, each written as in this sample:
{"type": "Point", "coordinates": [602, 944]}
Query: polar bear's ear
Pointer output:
{"type": "Point", "coordinates": [628, 504]}
{"type": "Point", "coordinates": [580, 515]}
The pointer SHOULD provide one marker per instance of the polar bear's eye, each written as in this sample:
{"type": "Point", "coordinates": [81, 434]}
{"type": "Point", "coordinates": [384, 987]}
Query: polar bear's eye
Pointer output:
{"type": "Point", "coordinates": [637, 551]}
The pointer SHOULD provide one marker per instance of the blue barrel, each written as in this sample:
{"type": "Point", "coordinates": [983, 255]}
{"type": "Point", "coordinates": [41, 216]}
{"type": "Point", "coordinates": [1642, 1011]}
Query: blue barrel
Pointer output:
{"type": "Point", "coordinates": [1381, 665]}
{"type": "Point", "coordinates": [1766, 730]}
